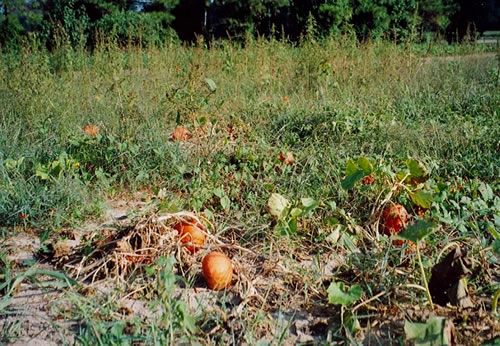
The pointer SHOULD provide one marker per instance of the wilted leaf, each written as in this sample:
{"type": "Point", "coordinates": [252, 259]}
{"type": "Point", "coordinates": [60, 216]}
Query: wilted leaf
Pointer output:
{"type": "Point", "coordinates": [418, 172]}
{"type": "Point", "coordinates": [211, 84]}
{"type": "Point", "coordinates": [337, 295]}
{"type": "Point", "coordinates": [333, 237]}
{"type": "Point", "coordinates": [418, 231]}
{"type": "Point", "coordinates": [422, 199]}
{"type": "Point", "coordinates": [277, 204]}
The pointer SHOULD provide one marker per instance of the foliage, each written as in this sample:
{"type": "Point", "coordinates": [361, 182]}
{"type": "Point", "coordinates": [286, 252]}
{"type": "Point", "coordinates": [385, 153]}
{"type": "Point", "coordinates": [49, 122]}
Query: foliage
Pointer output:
{"type": "Point", "coordinates": [78, 22]}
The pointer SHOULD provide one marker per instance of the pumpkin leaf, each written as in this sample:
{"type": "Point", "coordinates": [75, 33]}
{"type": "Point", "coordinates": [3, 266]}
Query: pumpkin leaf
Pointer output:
{"type": "Point", "coordinates": [337, 294]}
{"type": "Point", "coordinates": [277, 204]}
{"type": "Point", "coordinates": [350, 180]}
{"type": "Point", "coordinates": [418, 172]}
{"type": "Point", "coordinates": [225, 202]}
{"type": "Point", "coordinates": [351, 167]}
{"type": "Point", "coordinates": [365, 165]}
{"type": "Point", "coordinates": [432, 332]}
{"type": "Point", "coordinates": [309, 204]}
{"type": "Point", "coordinates": [422, 199]}
{"type": "Point", "coordinates": [418, 231]}
{"type": "Point", "coordinates": [295, 212]}
{"type": "Point", "coordinates": [486, 191]}
{"type": "Point", "coordinates": [211, 84]}
{"type": "Point", "coordinates": [496, 246]}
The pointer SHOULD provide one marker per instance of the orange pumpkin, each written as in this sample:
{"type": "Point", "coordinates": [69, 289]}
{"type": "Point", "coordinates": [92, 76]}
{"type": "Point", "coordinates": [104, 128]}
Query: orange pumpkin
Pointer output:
{"type": "Point", "coordinates": [92, 130]}
{"type": "Point", "coordinates": [394, 219]}
{"type": "Point", "coordinates": [180, 134]}
{"type": "Point", "coordinates": [191, 233]}
{"type": "Point", "coordinates": [217, 270]}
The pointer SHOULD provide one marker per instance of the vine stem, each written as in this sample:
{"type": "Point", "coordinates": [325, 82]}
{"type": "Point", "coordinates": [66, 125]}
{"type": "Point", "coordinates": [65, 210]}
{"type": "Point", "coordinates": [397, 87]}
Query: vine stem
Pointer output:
{"type": "Point", "coordinates": [495, 301]}
{"type": "Point", "coordinates": [423, 276]}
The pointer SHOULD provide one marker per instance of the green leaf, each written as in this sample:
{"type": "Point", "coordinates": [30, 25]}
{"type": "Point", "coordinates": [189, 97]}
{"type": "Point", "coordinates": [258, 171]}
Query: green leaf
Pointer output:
{"type": "Point", "coordinates": [337, 294]}
{"type": "Point", "coordinates": [219, 192]}
{"type": "Point", "coordinates": [418, 231]}
{"type": "Point", "coordinates": [365, 165]}
{"type": "Point", "coordinates": [225, 202]}
{"type": "Point", "coordinates": [496, 246]}
{"type": "Point", "coordinates": [422, 199]}
{"type": "Point", "coordinates": [42, 172]}
{"type": "Point", "coordinates": [350, 180]}
{"type": "Point", "coordinates": [427, 334]}
{"type": "Point", "coordinates": [211, 84]}
{"type": "Point", "coordinates": [292, 225]}
{"type": "Point", "coordinates": [309, 204]}
{"type": "Point", "coordinates": [295, 212]}
{"type": "Point", "coordinates": [418, 172]}
{"type": "Point", "coordinates": [351, 167]}
{"type": "Point", "coordinates": [277, 204]}
{"type": "Point", "coordinates": [486, 191]}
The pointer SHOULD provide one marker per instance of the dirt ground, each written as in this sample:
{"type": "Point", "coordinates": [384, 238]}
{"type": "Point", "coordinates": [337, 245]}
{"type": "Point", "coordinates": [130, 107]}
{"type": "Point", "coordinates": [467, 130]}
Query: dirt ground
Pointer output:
{"type": "Point", "coordinates": [272, 286]}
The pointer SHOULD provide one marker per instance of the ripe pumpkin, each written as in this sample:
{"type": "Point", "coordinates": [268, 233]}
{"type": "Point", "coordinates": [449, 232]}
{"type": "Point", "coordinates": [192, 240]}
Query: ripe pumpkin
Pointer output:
{"type": "Point", "coordinates": [217, 270]}
{"type": "Point", "coordinates": [394, 219]}
{"type": "Point", "coordinates": [180, 134]}
{"type": "Point", "coordinates": [92, 130]}
{"type": "Point", "coordinates": [191, 233]}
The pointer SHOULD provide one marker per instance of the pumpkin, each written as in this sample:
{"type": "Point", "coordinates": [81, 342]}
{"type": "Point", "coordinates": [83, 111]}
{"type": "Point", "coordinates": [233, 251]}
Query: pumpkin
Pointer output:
{"type": "Point", "coordinates": [180, 134]}
{"type": "Point", "coordinates": [191, 233]}
{"type": "Point", "coordinates": [394, 219]}
{"type": "Point", "coordinates": [217, 270]}
{"type": "Point", "coordinates": [92, 130]}
{"type": "Point", "coordinates": [287, 158]}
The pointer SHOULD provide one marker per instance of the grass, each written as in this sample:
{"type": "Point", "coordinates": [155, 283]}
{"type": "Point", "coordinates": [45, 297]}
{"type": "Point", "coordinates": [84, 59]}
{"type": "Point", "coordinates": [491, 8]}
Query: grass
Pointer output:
{"type": "Point", "coordinates": [326, 102]}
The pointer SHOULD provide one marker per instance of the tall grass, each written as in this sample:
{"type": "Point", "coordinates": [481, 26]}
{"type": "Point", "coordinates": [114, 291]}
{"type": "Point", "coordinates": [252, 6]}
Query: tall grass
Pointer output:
{"type": "Point", "coordinates": [325, 101]}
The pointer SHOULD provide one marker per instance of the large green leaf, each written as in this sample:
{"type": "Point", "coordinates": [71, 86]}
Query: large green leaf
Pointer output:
{"type": "Point", "coordinates": [350, 167]}
{"type": "Point", "coordinates": [365, 165]}
{"type": "Point", "coordinates": [496, 246]}
{"type": "Point", "coordinates": [350, 180]}
{"type": "Point", "coordinates": [422, 199]}
{"type": "Point", "coordinates": [486, 191]}
{"type": "Point", "coordinates": [337, 294]}
{"type": "Point", "coordinates": [418, 231]}
{"type": "Point", "coordinates": [431, 333]}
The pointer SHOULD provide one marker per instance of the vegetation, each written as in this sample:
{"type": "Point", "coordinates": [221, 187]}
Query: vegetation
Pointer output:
{"type": "Point", "coordinates": [364, 125]}
{"type": "Point", "coordinates": [154, 21]}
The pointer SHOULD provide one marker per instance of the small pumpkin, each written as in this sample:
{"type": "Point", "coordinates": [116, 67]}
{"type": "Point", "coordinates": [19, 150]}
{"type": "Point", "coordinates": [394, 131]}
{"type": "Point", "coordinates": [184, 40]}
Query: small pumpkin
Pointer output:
{"type": "Point", "coordinates": [180, 134]}
{"type": "Point", "coordinates": [217, 270]}
{"type": "Point", "coordinates": [191, 233]}
{"type": "Point", "coordinates": [394, 219]}
{"type": "Point", "coordinates": [92, 130]}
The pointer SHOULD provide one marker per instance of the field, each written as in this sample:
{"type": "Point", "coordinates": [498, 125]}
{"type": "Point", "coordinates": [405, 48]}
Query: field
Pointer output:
{"type": "Point", "coordinates": [291, 156]}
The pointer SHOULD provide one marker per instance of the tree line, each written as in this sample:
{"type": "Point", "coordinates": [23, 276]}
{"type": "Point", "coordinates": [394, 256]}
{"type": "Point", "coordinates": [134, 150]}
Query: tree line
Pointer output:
{"type": "Point", "coordinates": [82, 22]}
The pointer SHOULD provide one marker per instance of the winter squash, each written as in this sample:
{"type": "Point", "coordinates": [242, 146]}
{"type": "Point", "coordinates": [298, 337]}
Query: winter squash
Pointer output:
{"type": "Point", "coordinates": [191, 233]}
{"type": "Point", "coordinates": [217, 270]}
{"type": "Point", "coordinates": [394, 219]}
{"type": "Point", "coordinates": [180, 134]}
